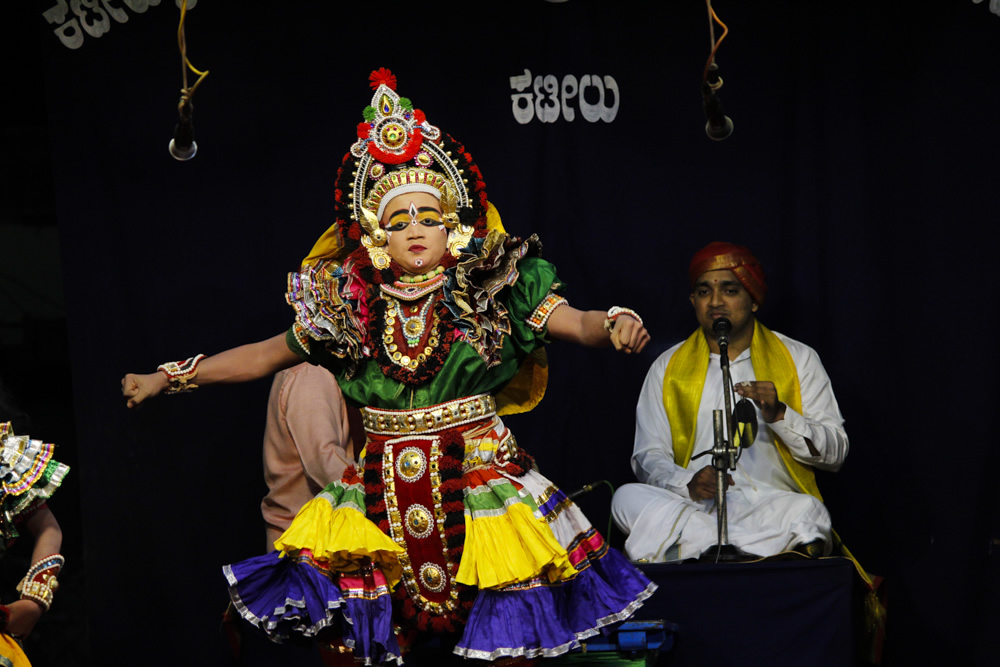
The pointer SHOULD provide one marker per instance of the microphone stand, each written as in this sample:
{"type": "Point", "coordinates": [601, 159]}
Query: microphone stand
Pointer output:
{"type": "Point", "coordinates": [724, 456]}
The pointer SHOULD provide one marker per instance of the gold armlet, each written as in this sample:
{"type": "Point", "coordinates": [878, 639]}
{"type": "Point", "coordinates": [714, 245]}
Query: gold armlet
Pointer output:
{"type": "Point", "coordinates": [41, 580]}
{"type": "Point", "coordinates": [180, 373]}
{"type": "Point", "coordinates": [540, 316]}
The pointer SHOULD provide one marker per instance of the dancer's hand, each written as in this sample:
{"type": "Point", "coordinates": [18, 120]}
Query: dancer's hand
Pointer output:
{"type": "Point", "coordinates": [23, 614]}
{"type": "Point", "coordinates": [629, 335]}
{"type": "Point", "coordinates": [137, 388]}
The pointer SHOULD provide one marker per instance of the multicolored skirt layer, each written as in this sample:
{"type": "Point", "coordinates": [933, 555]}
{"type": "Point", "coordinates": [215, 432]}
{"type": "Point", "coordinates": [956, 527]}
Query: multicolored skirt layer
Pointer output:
{"type": "Point", "coordinates": [28, 477]}
{"type": "Point", "coordinates": [445, 529]}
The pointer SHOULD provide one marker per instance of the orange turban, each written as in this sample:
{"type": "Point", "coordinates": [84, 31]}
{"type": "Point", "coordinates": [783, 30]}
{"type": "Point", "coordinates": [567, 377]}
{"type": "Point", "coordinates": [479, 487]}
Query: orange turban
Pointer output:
{"type": "Point", "coordinates": [718, 255]}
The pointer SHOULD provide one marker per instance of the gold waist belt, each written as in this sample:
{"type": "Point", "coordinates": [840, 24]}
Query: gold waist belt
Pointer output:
{"type": "Point", "coordinates": [427, 420]}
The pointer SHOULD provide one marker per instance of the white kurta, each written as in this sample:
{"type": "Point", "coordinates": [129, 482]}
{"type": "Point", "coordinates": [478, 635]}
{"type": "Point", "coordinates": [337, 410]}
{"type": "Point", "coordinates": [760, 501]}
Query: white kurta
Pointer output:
{"type": "Point", "coordinates": [767, 514]}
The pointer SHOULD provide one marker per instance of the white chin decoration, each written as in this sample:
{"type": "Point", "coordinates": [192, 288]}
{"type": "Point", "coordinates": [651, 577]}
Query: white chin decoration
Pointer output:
{"type": "Point", "coordinates": [418, 262]}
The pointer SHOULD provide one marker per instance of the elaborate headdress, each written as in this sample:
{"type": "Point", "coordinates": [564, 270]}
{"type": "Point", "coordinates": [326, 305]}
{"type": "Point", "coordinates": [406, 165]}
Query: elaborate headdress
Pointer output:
{"type": "Point", "coordinates": [718, 255]}
{"type": "Point", "coordinates": [398, 151]}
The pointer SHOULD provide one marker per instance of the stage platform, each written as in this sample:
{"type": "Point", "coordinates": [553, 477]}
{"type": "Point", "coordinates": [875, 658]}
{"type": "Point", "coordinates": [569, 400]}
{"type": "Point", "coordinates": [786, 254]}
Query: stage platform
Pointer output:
{"type": "Point", "coordinates": [769, 613]}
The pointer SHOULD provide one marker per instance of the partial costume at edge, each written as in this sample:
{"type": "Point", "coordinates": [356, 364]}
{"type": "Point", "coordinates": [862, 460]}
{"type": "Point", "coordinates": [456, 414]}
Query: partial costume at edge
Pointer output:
{"type": "Point", "coordinates": [445, 526]}
{"type": "Point", "coordinates": [774, 504]}
{"type": "Point", "coordinates": [29, 476]}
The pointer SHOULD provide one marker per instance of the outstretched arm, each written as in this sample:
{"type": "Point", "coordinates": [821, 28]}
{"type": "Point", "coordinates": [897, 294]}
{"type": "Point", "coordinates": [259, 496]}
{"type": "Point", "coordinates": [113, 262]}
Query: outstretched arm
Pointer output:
{"type": "Point", "coordinates": [43, 526]}
{"type": "Point", "coordinates": [586, 327]}
{"type": "Point", "coordinates": [23, 614]}
{"type": "Point", "coordinates": [240, 364]}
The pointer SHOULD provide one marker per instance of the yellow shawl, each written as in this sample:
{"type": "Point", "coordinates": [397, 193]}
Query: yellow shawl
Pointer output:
{"type": "Point", "coordinates": [685, 380]}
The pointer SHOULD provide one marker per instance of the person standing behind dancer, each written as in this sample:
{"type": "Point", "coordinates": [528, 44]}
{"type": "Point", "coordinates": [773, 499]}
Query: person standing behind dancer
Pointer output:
{"type": "Point", "coordinates": [307, 443]}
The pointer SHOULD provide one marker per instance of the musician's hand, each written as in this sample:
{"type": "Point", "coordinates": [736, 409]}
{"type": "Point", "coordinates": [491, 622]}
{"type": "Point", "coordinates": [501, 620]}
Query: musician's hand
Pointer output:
{"type": "Point", "coordinates": [764, 394]}
{"type": "Point", "coordinates": [702, 485]}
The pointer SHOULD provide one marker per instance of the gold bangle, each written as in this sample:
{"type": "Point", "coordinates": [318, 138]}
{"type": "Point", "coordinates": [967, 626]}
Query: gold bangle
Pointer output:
{"type": "Point", "coordinates": [617, 311]}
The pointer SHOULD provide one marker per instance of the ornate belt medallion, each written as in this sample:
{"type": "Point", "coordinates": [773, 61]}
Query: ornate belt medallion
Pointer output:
{"type": "Point", "coordinates": [413, 500]}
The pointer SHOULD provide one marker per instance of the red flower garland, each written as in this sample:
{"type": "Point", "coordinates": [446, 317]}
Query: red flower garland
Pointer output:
{"type": "Point", "coordinates": [375, 508]}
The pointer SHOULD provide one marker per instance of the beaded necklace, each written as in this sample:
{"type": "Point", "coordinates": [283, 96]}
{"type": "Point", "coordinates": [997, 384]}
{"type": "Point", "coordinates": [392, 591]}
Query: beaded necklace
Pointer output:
{"type": "Point", "coordinates": [415, 348]}
{"type": "Point", "coordinates": [411, 291]}
{"type": "Point", "coordinates": [415, 351]}
{"type": "Point", "coordinates": [414, 325]}
{"type": "Point", "coordinates": [421, 277]}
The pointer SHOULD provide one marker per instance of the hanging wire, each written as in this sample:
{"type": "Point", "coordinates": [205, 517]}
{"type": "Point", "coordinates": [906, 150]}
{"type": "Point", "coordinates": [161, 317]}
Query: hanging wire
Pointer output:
{"type": "Point", "coordinates": [186, 93]}
{"type": "Point", "coordinates": [713, 18]}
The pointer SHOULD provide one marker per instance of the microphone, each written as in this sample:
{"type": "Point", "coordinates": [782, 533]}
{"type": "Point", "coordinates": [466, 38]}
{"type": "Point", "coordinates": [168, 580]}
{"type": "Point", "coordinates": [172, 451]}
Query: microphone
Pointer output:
{"type": "Point", "coordinates": [586, 488]}
{"type": "Point", "coordinates": [183, 146]}
{"type": "Point", "coordinates": [721, 327]}
{"type": "Point", "coordinates": [745, 418]}
{"type": "Point", "coordinates": [719, 125]}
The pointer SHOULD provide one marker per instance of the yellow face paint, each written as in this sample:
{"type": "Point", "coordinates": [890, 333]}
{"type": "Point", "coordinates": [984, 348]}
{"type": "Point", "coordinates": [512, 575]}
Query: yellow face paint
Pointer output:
{"type": "Point", "coordinates": [425, 215]}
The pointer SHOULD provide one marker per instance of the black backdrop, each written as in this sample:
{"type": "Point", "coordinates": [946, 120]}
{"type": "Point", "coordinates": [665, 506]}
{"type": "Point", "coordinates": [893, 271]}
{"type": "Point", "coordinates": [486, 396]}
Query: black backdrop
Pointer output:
{"type": "Point", "coordinates": [860, 172]}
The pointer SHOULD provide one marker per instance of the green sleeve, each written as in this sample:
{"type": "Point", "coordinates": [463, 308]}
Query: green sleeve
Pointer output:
{"type": "Point", "coordinates": [536, 280]}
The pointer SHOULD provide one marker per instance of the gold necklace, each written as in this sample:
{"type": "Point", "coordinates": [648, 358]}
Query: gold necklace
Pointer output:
{"type": "Point", "coordinates": [414, 328]}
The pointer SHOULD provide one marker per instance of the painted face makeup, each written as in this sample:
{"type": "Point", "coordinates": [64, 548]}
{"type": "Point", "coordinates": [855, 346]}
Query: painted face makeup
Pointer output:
{"type": "Point", "coordinates": [417, 235]}
{"type": "Point", "coordinates": [428, 216]}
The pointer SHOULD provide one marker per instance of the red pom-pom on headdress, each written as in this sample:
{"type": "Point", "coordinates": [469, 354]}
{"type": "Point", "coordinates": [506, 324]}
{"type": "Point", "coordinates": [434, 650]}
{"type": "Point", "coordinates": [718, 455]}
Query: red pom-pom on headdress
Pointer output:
{"type": "Point", "coordinates": [380, 76]}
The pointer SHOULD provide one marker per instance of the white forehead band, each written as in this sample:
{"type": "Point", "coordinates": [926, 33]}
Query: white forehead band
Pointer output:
{"type": "Point", "coordinates": [402, 190]}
